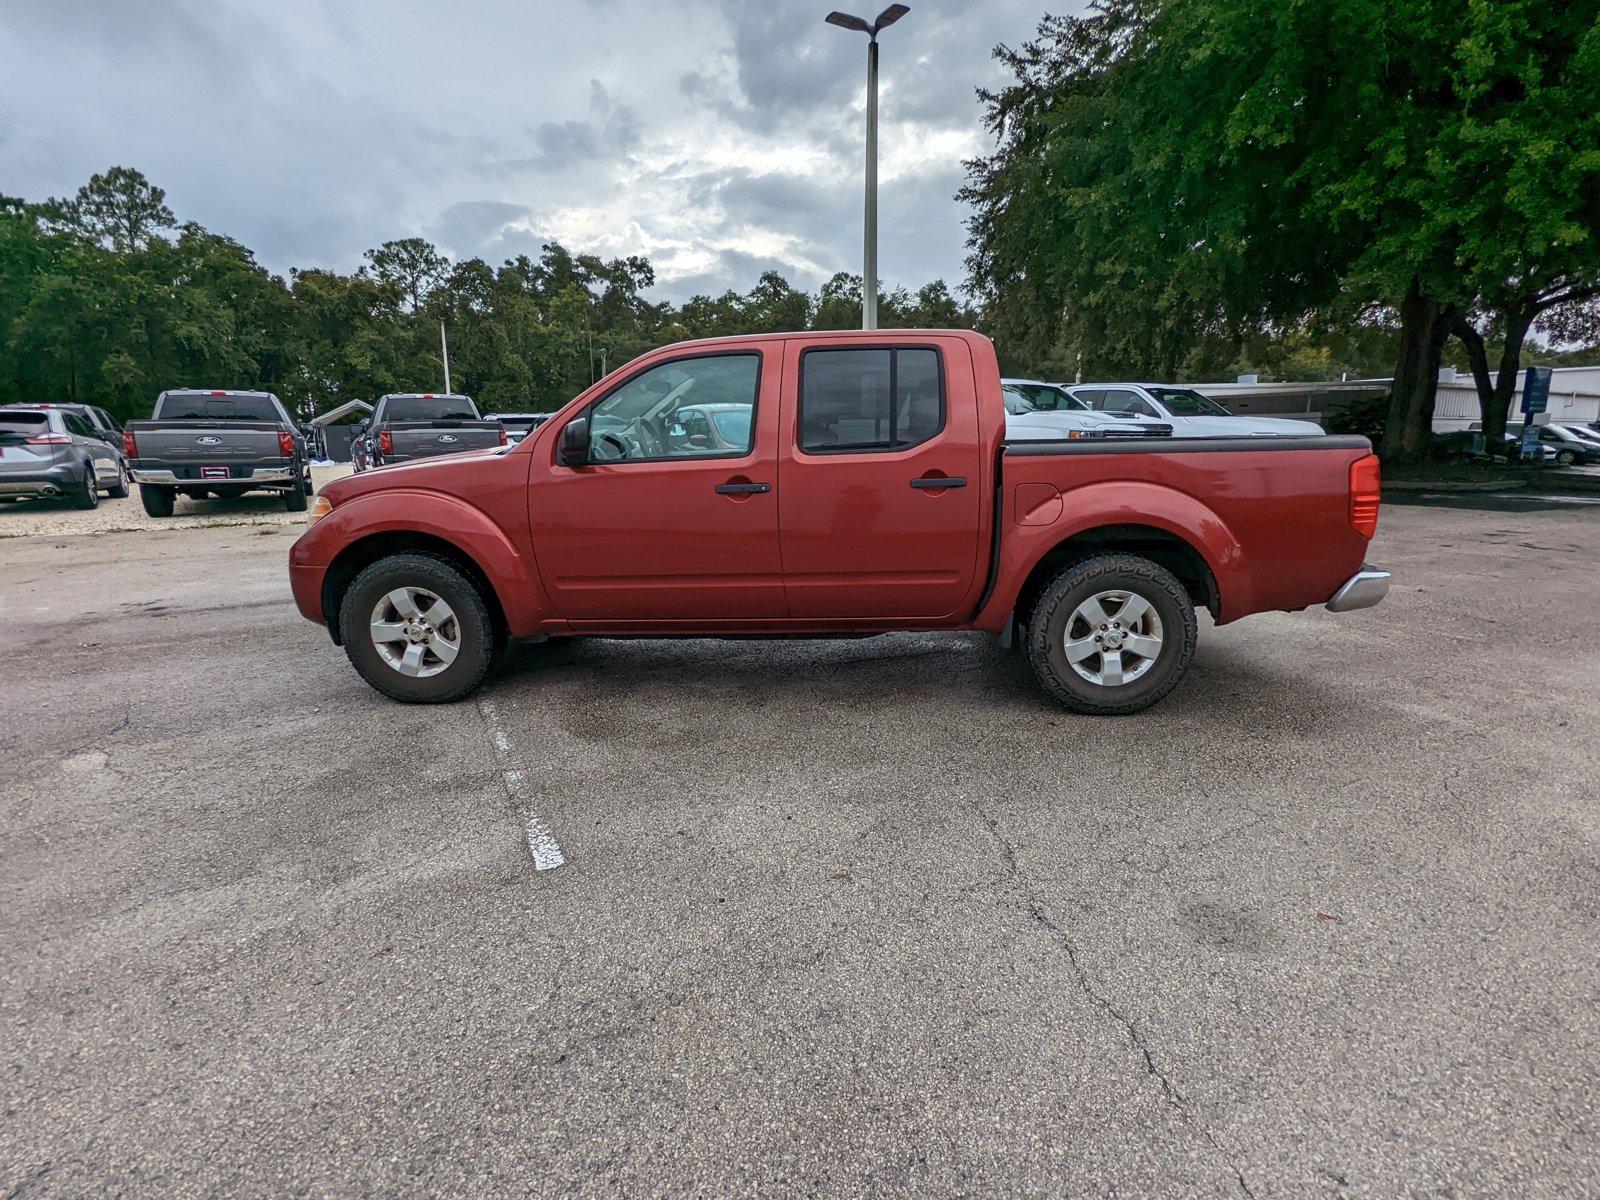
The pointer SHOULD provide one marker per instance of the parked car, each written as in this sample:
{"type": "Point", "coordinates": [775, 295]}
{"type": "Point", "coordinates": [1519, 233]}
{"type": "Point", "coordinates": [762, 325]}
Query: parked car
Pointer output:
{"type": "Point", "coordinates": [1024, 422]}
{"type": "Point", "coordinates": [1587, 433]}
{"type": "Point", "coordinates": [1569, 446]}
{"type": "Point", "coordinates": [50, 451]}
{"type": "Point", "coordinates": [1188, 412]}
{"type": "Point", "coordinates": [217, 443]}
{"type": "Point", "coordinates": [519, 425]}
{"type": "Point", "coordinates": [874, 491]}
{"type": "Point", "coordinates": [410, 425]}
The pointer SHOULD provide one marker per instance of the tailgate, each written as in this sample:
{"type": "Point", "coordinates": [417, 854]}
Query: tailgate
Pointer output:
{"type": "Point", "coordinates": [443, 437]}
{"type": "Point", "coordinates": [206, 441]}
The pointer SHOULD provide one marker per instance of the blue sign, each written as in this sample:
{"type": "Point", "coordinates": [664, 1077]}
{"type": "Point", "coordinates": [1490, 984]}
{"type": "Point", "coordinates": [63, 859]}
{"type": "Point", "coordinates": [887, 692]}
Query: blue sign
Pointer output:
{"type": "Point", "coordinates": [1536, 391]}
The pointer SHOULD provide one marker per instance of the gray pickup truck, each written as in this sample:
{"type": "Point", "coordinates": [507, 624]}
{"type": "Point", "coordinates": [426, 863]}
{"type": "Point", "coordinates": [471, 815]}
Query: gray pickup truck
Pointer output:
{"type": "Point", "coordinates": [412, 425]}
{"type": "Point", "coordinates": [217, 443]}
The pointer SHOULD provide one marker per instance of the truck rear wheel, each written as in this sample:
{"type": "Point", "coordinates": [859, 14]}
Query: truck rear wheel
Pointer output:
{"type": "Point", "coordinates": [295, 498]}
{"type": "Point", "coordinates": [417, 629]}
{"type": "Point", "coordinates": [157, 501]}
{"type": "Point", "coordinates": [1112, 635]}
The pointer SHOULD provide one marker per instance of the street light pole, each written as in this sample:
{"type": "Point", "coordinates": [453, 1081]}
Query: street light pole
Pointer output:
{"type": "Point", "coordinates": [444, 353]}
{"type": "Point", "coordinates": [869, 253]}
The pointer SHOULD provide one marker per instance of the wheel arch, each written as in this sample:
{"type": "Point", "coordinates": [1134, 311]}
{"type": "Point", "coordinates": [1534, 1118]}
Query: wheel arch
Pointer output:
{"type": "Point", "coordinates": [1167, 549]}
{"type": "Point", "coordinates": [361, 554]}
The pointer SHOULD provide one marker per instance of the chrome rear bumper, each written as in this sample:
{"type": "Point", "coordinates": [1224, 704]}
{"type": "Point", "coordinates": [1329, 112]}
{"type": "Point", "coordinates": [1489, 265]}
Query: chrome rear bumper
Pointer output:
{"type": "Point", "coordinates": [257, 475]}
{"type": "Point", "coordinates": [1365, 588]}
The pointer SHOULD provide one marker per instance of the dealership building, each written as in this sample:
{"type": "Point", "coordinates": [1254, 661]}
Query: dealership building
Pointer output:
{"type": "Point", "coordinates": [1574, 397]}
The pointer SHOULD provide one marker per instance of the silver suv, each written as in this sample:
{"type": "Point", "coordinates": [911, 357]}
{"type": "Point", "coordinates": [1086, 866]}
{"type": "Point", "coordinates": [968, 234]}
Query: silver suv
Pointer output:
{"type": "Point", "coordinates": [53, 452]}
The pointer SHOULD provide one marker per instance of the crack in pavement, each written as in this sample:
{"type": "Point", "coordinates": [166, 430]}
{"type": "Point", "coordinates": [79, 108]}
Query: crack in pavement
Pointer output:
{"type": "Point", "coordinates": [1011, 877]}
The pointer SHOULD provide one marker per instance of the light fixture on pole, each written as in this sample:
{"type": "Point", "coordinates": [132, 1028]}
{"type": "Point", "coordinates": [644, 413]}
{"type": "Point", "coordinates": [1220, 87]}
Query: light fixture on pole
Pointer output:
{"type": "Point", "coordinates": [869, 273]}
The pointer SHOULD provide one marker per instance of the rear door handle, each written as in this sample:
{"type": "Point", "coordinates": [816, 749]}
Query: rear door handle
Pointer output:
{"type": "Point", "coordinates": [940, 481]}
{"type": "Point", "coordinates": [742, 489]}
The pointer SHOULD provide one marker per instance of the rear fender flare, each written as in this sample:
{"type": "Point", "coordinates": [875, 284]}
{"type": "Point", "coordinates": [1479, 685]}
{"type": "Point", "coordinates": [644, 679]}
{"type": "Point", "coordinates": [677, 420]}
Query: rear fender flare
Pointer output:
{"type": "Point", "coordinates": [1103, 505]}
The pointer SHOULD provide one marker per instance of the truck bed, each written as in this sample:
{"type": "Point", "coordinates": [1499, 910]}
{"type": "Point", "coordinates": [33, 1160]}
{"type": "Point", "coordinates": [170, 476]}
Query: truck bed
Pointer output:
{"type": "Point", "coordinates": [1274, 538]}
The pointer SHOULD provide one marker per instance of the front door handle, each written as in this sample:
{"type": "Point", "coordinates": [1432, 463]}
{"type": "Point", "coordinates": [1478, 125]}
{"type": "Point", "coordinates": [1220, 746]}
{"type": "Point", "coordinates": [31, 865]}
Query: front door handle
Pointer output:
{"type": "Point", "coordinates": [933, 482]}
{"type": "Point", "coordinates": [742, 489]}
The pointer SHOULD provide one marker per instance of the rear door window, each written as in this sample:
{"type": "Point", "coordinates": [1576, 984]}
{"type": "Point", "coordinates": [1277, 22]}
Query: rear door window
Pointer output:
{"type": "Point", "coordinates": [430, 408]}
{"type": "Point", "coordinates": [854, 401]}
{"type": "Point", "coordinates": [20, 426]}
{"type": "Point", "coordinates": [217, 408]}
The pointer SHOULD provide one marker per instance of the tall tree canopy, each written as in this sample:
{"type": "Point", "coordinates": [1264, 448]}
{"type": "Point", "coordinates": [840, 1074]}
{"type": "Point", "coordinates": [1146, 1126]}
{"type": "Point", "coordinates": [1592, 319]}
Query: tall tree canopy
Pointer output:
{"type": "Point", "coordinates": [1173, 172]}
{"type": "Point", "coordinates": [106, 298]}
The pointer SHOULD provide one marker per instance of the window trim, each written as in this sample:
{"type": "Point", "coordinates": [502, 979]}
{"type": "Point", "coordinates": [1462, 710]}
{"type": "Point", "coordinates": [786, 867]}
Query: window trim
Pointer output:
{"type": "Point", "coordinates": [892, 347]}
{"type": "Point", "coordinates": [586, 413]}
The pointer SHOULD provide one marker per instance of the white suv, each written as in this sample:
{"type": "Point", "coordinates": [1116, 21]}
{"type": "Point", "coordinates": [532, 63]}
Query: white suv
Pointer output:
{"type": "Point", "coordinates": [1188, 412]}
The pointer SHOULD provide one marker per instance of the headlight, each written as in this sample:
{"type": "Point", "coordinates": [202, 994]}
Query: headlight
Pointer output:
{"type": "Point", "coordinates": [321, 506]}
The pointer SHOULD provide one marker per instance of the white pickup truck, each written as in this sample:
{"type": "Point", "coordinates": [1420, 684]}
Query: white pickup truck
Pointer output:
{"type": "Point", "coordinates": [1037, 411]}
{"type": "Point", "coordinates": [1188, 412]}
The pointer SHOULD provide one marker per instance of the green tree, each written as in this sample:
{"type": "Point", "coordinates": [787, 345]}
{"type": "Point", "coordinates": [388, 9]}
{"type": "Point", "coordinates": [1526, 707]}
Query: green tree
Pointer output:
{"type": "Point", "coordinates": [1172, 171]}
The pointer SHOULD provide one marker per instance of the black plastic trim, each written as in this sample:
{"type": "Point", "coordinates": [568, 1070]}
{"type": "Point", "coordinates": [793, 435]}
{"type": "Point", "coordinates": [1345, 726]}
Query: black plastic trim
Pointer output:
{"type": "Point", "coordinates": [1221, 445]}
{"type": "Point", "coordinates": [935, 484]}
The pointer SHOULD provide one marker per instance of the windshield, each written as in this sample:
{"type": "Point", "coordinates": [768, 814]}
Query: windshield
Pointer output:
{"type": "Point", "coordinates": [519, 424]}
{"type": "Point", "coordinates": [733, 425]}
{"type": "Point", "coordinates": [1016, 403]}
{"type": "Point", "coordinates": [1045, 395]}
{"type": "Point", "coordinates": [429, 408]}
{"type": "Point", "coordinates": [1181, 402]}
{"type": "Point", "coordinates": [201, 407]}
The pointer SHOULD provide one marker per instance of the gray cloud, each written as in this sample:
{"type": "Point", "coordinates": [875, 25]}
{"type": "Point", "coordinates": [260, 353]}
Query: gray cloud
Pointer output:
{"type": "Point", "coordinates": [720, 138]}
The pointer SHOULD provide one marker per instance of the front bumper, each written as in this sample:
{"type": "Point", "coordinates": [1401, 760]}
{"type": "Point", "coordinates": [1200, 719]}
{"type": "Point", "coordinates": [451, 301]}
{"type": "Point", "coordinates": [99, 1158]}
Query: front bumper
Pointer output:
{"type": "Point", "coordinates": [244, 475]}
{"type": "Point", "coordinates": [1365, 588]}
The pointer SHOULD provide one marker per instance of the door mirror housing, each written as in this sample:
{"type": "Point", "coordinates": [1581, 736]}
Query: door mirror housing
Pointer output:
{"type": "Point", "coordinates": [575, 443]}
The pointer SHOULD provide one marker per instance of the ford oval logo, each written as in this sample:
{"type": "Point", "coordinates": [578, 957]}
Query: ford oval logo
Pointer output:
{"type": "Point", "coordinates": [208, 441]}
{"type": "Point", "coordinates": [447, 437]}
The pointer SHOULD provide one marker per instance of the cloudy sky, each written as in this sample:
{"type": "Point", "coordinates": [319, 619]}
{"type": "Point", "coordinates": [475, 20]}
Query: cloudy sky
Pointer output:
{"type": "Point", "coordinates": [719, 138]}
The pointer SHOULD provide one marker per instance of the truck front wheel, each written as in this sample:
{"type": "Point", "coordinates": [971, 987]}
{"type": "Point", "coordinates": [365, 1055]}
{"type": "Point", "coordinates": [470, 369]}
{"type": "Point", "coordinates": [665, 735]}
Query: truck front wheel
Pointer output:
{"type": "Point", "coordinates": [1111, 634]}
{"type": "Point", "coordinates": [417, 629]}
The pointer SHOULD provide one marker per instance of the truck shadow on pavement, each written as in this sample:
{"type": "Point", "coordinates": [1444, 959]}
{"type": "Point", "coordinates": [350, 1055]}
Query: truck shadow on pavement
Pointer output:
{"type": "Point", "coordinates": [917, 672]}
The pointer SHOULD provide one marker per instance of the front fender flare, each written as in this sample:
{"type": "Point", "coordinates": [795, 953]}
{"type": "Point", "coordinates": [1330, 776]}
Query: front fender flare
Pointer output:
{"type": "Point", "coordinates": [469, 530]}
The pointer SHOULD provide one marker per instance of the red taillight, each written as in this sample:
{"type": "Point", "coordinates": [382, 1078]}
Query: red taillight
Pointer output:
{"type": "Point", "coordinates": [285, 443]}
{"type": "Point", "coordinates": [50, 439]}
{"type": "Point", "coordinates": [385, 442]}
{"type": "Point", "coordinates": [130, 445]}
{"type": "Point", "coordinates": [503, 438]}
{"type": "Point", "coordinates": [1364, 494]}
{"type": "Point", "coordinates": [219, 393]}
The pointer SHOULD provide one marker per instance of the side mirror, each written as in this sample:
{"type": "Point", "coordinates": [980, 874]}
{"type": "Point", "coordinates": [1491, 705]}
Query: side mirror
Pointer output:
{"type": "Point", "coordinates": [363, 424]}
{"type": "Point", "coordinates": [575, 443]}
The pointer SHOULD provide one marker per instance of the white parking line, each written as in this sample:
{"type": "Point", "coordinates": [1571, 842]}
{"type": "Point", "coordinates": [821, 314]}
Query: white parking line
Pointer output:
{"type": "Point", "coordinates": [542, 844]}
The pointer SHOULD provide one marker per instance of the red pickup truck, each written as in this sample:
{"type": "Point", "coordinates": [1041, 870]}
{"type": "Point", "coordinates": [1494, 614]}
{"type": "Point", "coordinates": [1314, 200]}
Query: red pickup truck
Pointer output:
{"type": "Point", "coordinates": [827, 485]}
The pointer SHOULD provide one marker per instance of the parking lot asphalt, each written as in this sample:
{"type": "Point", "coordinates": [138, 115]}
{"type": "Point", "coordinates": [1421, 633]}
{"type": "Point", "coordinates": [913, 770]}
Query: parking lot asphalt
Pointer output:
{"type": "Point", "coordinates": [835, 918]}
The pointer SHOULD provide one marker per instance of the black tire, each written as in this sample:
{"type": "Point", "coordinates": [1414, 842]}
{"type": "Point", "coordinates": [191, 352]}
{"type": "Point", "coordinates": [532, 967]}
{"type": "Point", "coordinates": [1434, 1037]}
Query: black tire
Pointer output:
{"type": "Point", "coordinates": [311, 487]}
{"type": "Point", "coordinates": [88, 495]}
{"type": "Point", "coordinates": [119, 490]}
{"type": "Point", "coordinates": [476, 629]}
{"type": "Point", "coordinates": [1048, 630]}
{"type": "Point", "coordinates": [157, 501]}
{"type": "Point", "coordinates": [295, 498]}
{"type": "Point", "coordinates": [1566, 457]}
